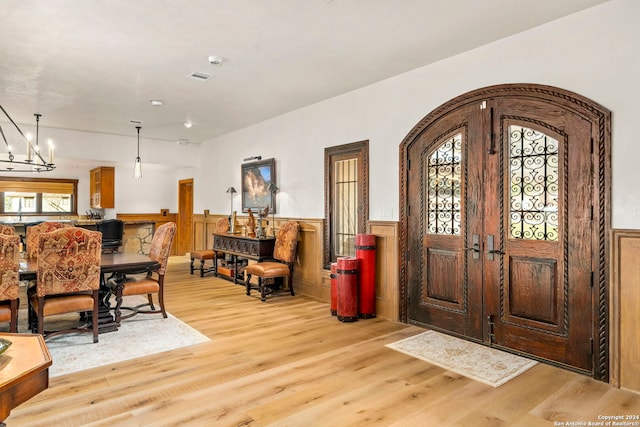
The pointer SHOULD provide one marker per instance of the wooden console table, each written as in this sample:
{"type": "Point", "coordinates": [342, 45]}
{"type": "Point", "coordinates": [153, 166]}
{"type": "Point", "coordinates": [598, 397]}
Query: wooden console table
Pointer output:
{"type": "Point", "coordinates": [24, 371]}
{"type": "Point", "coordinates": [242, 247]}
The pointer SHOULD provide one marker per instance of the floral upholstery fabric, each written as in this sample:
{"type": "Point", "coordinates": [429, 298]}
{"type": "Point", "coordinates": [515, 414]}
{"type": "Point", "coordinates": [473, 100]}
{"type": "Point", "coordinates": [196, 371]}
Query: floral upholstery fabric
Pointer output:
{"type": "Point", "coordinates": [161, 245]}
{"type": "Point", "coordinates": [7, 230]}
{"type": "Point", "coordinates": [68, 261]}
{"type": "Point", "coordinates": [286, 242]}
{"type": "Point", "coordinates": [9, 266]}
{"type": "Point", "coordinates": [33, 233]}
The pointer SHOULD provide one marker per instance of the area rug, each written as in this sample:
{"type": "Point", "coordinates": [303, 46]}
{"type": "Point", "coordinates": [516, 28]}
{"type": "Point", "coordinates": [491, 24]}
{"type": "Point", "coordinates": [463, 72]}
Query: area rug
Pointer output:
{"type": "Point", "coordinates": [138, 336]}
{"type": "Point", "coordinates": [487, 365]}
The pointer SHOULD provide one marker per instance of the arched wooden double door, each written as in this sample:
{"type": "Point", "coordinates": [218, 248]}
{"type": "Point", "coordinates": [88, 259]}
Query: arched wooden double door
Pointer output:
{"type": "Point", "coordinates": [504, 219]}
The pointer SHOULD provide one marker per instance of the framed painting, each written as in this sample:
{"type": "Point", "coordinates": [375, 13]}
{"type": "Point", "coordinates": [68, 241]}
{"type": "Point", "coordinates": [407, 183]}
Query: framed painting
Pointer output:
{"type": "Point", "coordinates": [255, 178]}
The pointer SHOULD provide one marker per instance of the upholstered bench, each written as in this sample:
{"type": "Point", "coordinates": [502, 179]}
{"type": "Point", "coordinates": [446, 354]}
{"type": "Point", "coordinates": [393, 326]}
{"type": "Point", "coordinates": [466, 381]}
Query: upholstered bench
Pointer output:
{"type": "Point", "coordinates": [202, 255]}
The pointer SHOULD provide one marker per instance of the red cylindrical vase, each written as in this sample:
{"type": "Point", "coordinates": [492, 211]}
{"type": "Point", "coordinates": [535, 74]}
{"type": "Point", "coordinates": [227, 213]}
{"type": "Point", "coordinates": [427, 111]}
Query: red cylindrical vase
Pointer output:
{"type": "Point", "coordinates": [366, 255]}
{"type": "Point", "coordinates": [334, 289]}
{"type": "Point", "coordinates": [347, 272]}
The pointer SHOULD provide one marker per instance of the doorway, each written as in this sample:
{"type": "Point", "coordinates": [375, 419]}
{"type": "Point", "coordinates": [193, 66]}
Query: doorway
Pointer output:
{"type": "Point", "coordinates": [184, 233]}
{"type": "Point", "coordinates": [508, 188]}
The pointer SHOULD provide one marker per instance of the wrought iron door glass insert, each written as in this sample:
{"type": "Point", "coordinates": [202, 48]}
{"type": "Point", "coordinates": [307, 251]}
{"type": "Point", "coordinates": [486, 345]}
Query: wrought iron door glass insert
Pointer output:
{"type": "Point", "coordinates": [444, 188]}
{"type": "Point", "coordinates": [533, 183]}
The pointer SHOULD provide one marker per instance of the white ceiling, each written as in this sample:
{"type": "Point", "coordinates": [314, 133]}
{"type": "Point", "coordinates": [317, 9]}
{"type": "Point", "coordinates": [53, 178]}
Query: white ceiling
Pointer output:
{"type": "Point", "coordinates": [95, 64]}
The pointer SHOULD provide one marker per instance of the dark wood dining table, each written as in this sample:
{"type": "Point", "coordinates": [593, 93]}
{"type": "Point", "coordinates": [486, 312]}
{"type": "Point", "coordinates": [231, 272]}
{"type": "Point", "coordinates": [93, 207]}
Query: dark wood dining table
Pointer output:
{"type": "Point", "coordinates": [111, 263]}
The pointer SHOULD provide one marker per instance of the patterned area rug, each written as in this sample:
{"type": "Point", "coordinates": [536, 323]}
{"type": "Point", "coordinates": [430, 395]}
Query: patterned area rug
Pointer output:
{"type": "Point", "coordinates": [487, 365]}
{"type": "Point", "coordinates": [138, 336]}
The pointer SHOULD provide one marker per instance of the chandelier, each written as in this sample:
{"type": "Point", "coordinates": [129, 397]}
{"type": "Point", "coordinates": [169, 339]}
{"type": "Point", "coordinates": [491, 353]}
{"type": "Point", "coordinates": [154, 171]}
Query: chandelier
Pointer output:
{"type": "Point", "coordinates": [33, 161]}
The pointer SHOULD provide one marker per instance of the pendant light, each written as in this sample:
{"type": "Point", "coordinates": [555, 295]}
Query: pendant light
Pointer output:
{"type": "Point", "coordinates": [137, 167]}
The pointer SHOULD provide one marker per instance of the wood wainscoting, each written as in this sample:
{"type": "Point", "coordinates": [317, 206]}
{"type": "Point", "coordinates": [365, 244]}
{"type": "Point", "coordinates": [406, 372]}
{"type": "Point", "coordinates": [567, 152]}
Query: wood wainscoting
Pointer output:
{"type": "Point", "coordinates": [387, 298]}
{"type": "Point", "coordinates": [624, 307]}
{"type": "Point", "coordinates": [202, 229]}
{"type": "Point", "coordinates": [310, 277]}
{"type": "Point", "coordinates": [308, 269]}
{"type": "Point", "coordinates": [387, 259]}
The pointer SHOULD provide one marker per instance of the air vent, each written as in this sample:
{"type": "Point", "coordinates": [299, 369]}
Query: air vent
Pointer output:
{"type": "Point", "coordinates": [200, 76]}
{"type": "Point", "coordinates": [135, 122]}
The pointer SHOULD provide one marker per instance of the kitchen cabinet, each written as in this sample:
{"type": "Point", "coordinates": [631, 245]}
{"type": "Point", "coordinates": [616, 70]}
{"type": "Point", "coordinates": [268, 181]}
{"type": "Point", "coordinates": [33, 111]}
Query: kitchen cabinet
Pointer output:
{"type": "Point", "coordinates": [101, 186]}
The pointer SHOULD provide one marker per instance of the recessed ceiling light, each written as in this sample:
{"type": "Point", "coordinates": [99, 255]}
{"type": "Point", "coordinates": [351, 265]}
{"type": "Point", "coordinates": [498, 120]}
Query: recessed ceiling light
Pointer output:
{"type": "Point", "coordinates": [215, 60]}
{"type": "Point", "coordinates": [188, 124]}
{"type": "Point", "coordinates": [157, 103]}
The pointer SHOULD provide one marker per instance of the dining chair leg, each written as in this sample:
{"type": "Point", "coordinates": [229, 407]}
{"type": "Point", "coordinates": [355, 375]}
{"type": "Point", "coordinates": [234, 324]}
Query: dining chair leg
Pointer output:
{"type": "Point", "coordinates": [94, 316]}
{"type": "Point", "coordinates": [32, 323]}
{"type": "Point", "coordinates": [150, 299]}
{"type": "Point", "coordinates": [161, 302]}
{"type": "Point", "coordinates": [290, 282]}
{"type": "Point", "coordinates": [41, 315]}
{"type": "Point", "coordinates": [15, 305]}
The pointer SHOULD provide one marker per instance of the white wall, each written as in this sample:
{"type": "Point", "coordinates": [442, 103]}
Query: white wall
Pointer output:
{"type": "Point", "coordinates": [593, 53]}
{"type": "Point", "coordinates": [163, 164]}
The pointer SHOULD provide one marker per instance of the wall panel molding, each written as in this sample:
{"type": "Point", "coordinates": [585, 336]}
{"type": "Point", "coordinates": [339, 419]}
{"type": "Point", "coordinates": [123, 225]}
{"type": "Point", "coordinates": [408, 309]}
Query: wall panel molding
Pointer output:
{"type": "Point", "coordinates": [624, 307]}
{"type": "Point", "coordinates": [310, 278]}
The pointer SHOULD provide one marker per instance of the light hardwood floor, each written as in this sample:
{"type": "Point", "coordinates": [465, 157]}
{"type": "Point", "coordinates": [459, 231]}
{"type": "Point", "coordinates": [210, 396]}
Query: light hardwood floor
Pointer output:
{"type": "Point", "coordinates": [288, 362]}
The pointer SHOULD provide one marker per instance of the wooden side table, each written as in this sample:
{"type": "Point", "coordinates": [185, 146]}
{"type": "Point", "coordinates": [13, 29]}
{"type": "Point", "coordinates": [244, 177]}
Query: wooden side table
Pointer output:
{"type": "Point", "coordinates": [24, 371]}
{"type": "Point", "coordinates": [242, 247]}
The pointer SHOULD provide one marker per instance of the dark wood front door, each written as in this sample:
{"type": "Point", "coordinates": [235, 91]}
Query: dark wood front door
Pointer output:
{"type": "Point", "coordinates": [502, 240]}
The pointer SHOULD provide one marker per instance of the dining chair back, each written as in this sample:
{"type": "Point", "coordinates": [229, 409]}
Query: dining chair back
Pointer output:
{"type": "Point", "coordinates": [152, 282]}
{"type": "Point", "coordinates": [284, 255]}
{"type": "Point", "coordinates": [7, 230]}
{"type": "Point", "coordinates": [68, 277]}
{"type": "Point", "coordinates": [9, 280]}
{"type": "Point", "coordinates": [33, 233]}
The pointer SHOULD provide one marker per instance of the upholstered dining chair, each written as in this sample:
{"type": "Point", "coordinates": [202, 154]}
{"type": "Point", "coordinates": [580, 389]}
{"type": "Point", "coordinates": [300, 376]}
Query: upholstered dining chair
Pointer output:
{"type": "Point", "coordinates": [151, 283]}
{"type": "Point", "coordinates": [222, 226]}
{"type": "Point", "coordinates": [33, 234]}
{"type": "Point", "coordinates": [7, 230]}
{"type": "Point", "coordinates": [284, 255]}
{"type": "Point", "coordinates": [9, 280]}
{"type": "Point", "coordinates": [68, 272]}
{"type": "Point", "coordinates": [112, 231]}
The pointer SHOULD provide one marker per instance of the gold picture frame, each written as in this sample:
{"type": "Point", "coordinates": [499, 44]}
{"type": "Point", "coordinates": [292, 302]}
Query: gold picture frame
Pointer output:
{"type": "Point", "coordinates": [255, 179]}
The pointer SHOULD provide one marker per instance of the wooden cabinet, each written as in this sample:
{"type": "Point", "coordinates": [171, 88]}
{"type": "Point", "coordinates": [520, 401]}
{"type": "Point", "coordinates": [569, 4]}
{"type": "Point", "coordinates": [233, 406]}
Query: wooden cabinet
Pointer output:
{"type": "Point", "coordinates": [101, 187]}
{"type": "Point", "coordinates": [240, 247]}
{"type": "Point", "coordinates": [25, 371]}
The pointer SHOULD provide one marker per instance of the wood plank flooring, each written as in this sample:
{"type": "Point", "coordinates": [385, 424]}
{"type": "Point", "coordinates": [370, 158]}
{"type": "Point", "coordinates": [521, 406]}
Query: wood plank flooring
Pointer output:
{"type": "Point", "coordinates": [288, 362]}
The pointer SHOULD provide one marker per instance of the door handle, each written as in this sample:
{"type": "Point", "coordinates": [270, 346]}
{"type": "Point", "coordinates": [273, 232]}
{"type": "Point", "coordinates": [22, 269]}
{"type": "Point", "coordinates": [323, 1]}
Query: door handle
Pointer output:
{"type": "Point", "coordinates": [490, 250]}
{"type": "Point", "coordinates": [475, 247]}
